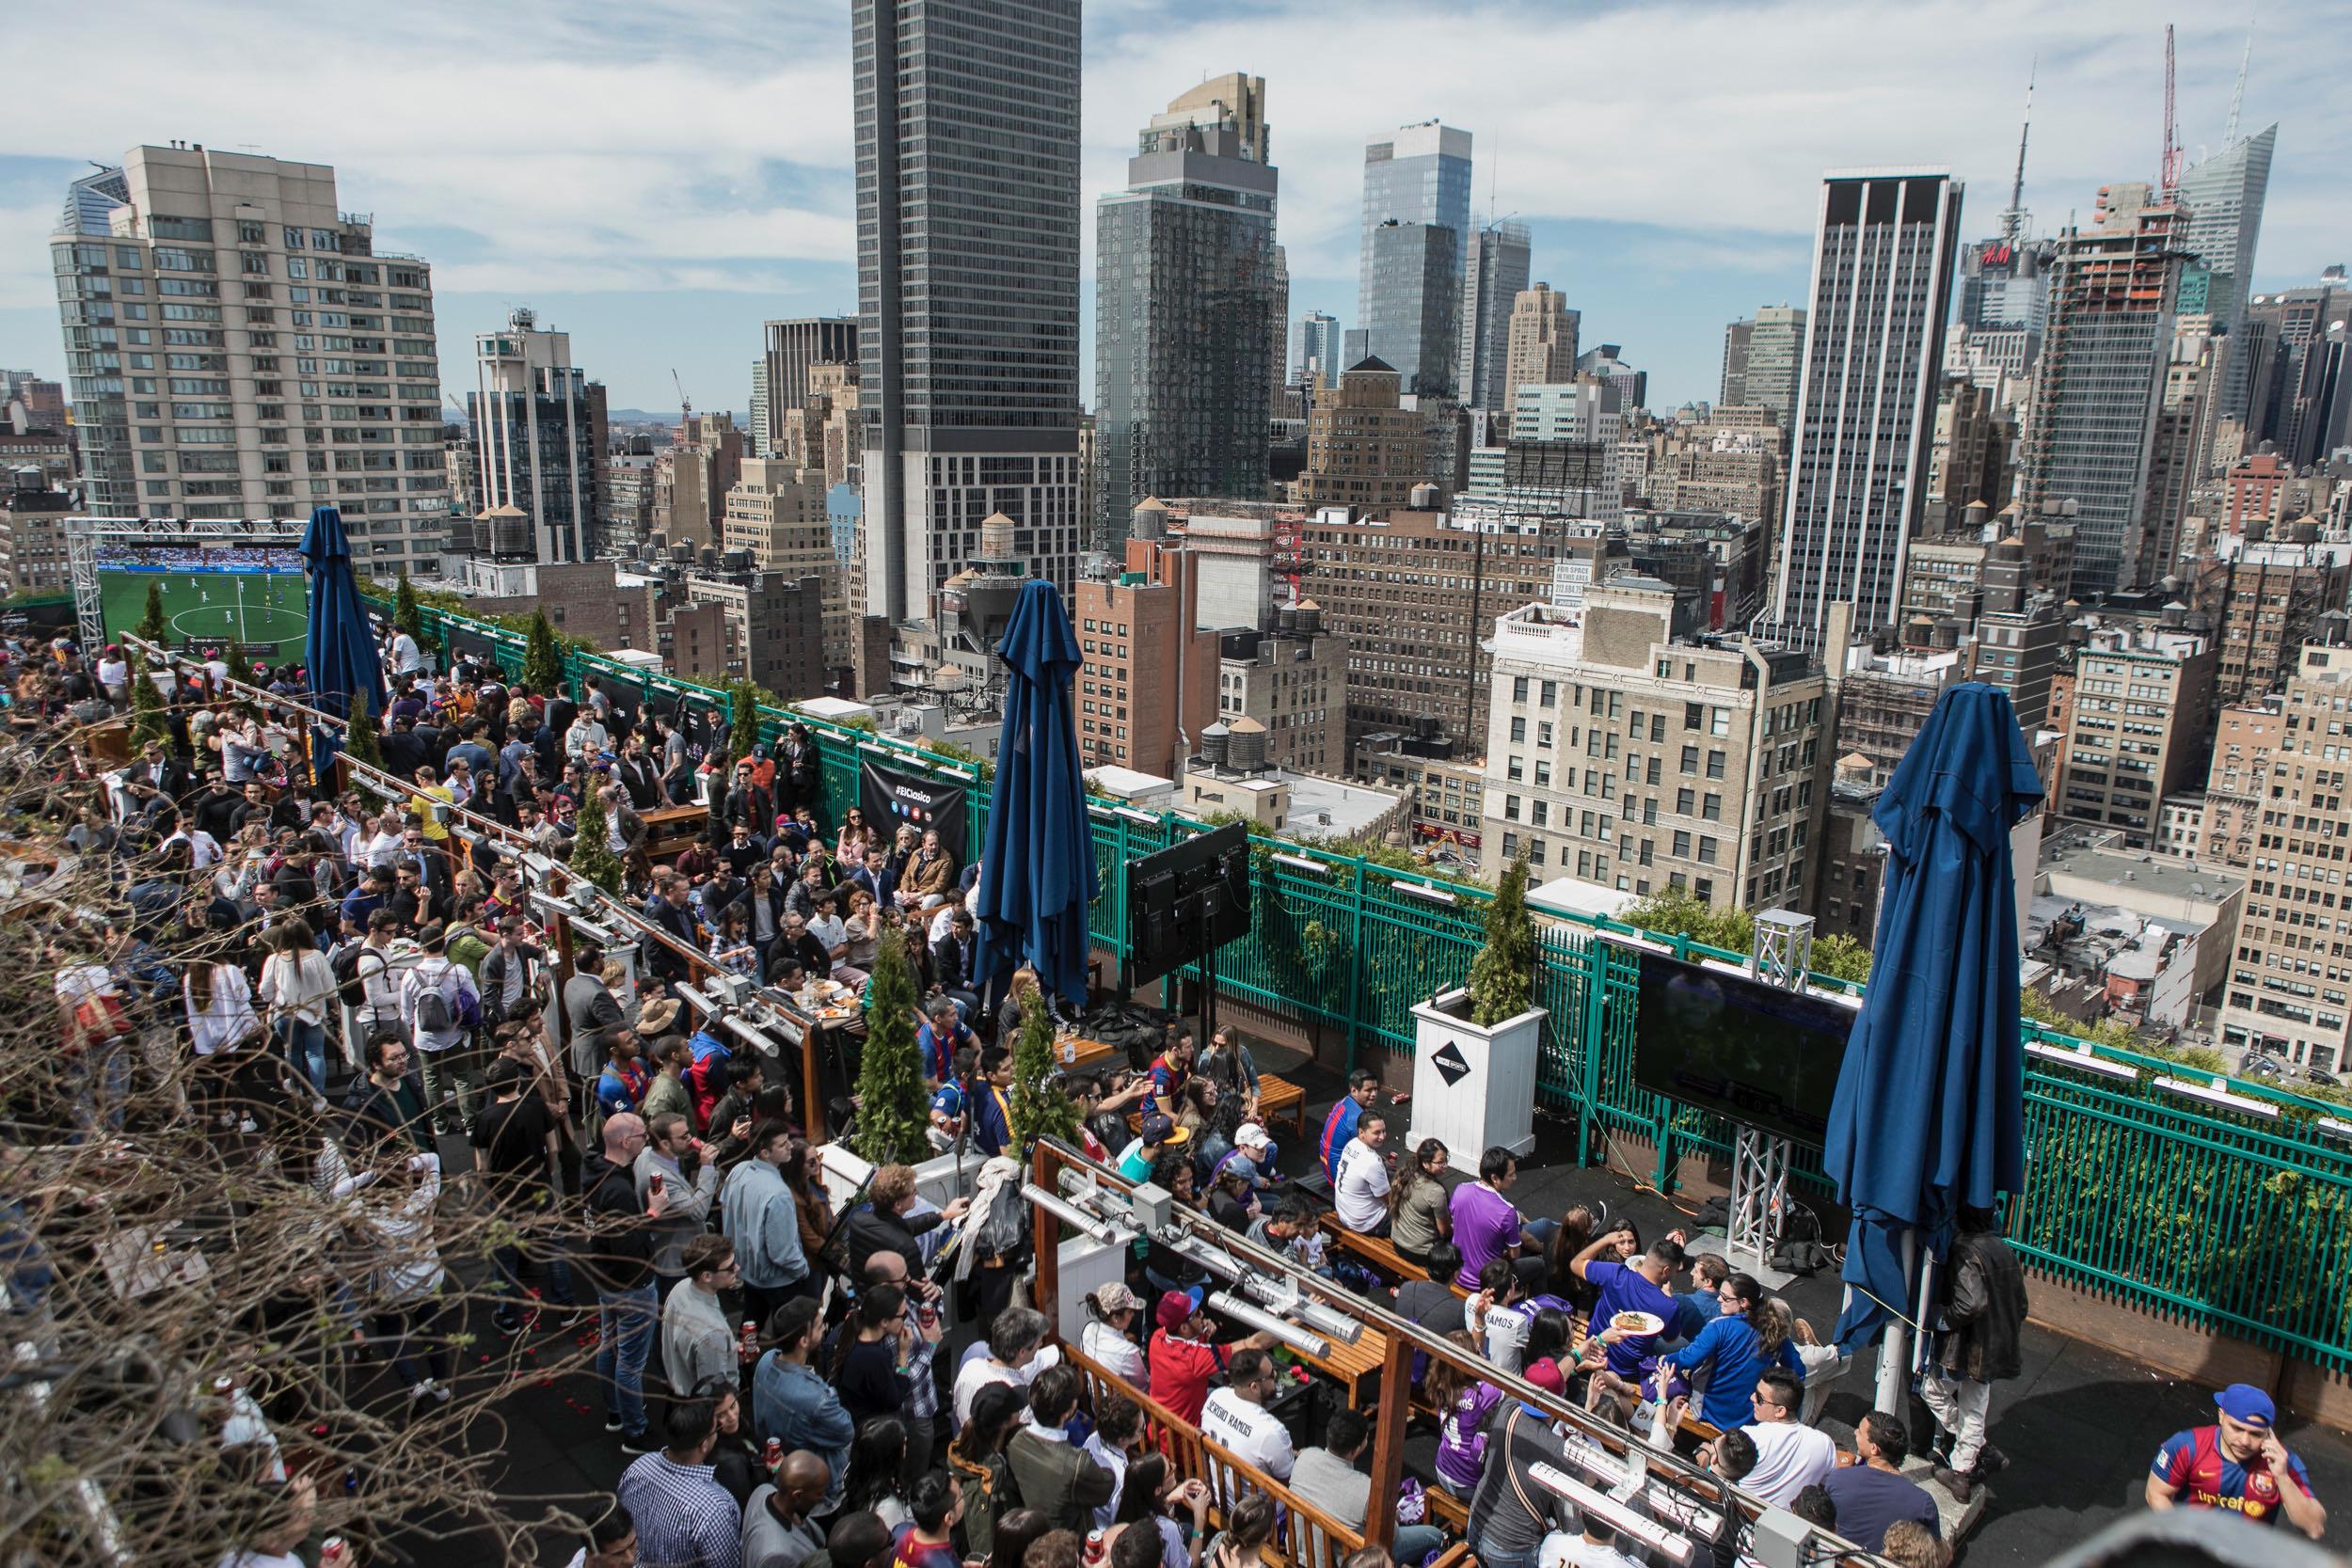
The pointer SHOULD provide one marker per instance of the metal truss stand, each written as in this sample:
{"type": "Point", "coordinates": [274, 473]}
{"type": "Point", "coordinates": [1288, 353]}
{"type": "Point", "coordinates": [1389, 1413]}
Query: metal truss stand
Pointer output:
{"type": "Point", "coordinates": [1760, 1184]}
{"type": "Point", "coordinates": [1782, 954]}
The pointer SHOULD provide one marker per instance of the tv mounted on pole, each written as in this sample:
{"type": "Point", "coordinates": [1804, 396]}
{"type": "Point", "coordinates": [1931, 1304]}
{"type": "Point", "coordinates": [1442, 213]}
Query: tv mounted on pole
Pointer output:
{"type": "Point", "coordinates": [1183, 903]}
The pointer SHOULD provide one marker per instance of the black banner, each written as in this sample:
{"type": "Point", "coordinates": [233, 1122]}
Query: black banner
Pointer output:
{"type": "Point", "coordinates": [463, 643]}
{"type": "Point", "coordinates": [890, 796]}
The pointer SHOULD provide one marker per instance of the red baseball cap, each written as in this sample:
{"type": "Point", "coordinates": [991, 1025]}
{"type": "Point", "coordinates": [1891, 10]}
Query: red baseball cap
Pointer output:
{"type": "Point", "coordinates": [1176, 1309]}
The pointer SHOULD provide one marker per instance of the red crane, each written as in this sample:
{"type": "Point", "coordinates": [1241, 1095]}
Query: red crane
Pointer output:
{"type": "Point", "coordinates": [2168, 166]}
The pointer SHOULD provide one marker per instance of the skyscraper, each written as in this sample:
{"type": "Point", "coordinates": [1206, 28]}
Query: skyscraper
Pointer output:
{"type": "Point", "coordinates": [1415, 180]}
{"type": "Point", "coordinates": [2224, 198]}
{"type": "Point", "coordinates": [2005, 280]}
{"type": "Point", "coordinates": [1866, 404]}
{"type": "Point", "coordinates": [1278, 378]}
{"type": "Point", "coordinates": [1416, 304]}
{"type": "Point", "coordinates": [2100, 384]}
{"type": "Point", "coordinates": [1762, 360]}
{"type": "Point", "coordinates": [1187, 320]}
{"type": "Point", "coordinates": [536, 439]}
{"type": "Point", "coordinates": [1318, 348]}
{"type": "Point", "coordinates": [967, 210]}
{"type": "Point", "coordinates": [1493, 274]}
{"type": "Point", "coordinates": [320, 383]}
{"type": "Point", "coordinates": [2301, 396]}
{"type": "Point", "coordinates": [1539, 342]}
{"type": "Point", "coordinates": [787, 349]}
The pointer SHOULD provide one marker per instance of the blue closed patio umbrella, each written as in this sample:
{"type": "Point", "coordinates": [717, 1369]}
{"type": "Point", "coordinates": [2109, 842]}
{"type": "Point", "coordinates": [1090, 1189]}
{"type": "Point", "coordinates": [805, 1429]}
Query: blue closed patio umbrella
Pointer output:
{"type": "Point", "coordinates": [1036, 865]}
{"type": "Point", "coordinates": [338, 649]}
{"type": "Point", "coordinates": [1929, 1112]}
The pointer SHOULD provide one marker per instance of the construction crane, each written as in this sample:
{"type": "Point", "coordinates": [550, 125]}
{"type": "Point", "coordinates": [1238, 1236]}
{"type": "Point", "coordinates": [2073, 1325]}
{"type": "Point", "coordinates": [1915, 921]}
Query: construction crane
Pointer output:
{"type": "Point", "coordinates": [2169, 180]}
{"type": "Point", "coordinates": [685, 406]}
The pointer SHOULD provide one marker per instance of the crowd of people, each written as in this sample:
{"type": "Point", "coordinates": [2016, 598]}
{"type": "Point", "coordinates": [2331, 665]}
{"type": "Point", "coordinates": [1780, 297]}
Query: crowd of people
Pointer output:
{"type": "Point", "coordinates": [775, 1368]}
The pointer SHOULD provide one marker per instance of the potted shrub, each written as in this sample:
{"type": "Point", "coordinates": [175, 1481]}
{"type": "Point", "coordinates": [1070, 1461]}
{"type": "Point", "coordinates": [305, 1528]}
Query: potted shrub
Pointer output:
{"type": "Point", "coordinates": [893, 1104]}
{"type": "Point", "coordinates": [1475, 1050]}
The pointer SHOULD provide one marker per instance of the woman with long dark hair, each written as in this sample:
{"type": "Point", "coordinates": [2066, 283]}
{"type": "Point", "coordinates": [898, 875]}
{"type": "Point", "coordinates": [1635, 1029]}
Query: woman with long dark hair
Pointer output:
{"type": "Point", "coordinates": [868, 1372]}
{"type": "Point", "coordinates": [1149, 1498]}
{"type": "Point", "coordinates": [878, 1456]}
{"type": "Point", "coordinates": [1418, 1216]}
{"type": "Point", "coordinates": [1016, 1532]}
{"type": "Point", "coordinates": [1577, 1228]}
{"type": "Point", "coordinates": [976, 1459]}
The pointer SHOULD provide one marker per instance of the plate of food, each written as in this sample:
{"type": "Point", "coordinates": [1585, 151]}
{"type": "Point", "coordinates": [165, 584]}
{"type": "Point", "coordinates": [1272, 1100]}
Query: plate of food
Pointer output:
{"type": "Point", "coordinates": [1631, 1324]}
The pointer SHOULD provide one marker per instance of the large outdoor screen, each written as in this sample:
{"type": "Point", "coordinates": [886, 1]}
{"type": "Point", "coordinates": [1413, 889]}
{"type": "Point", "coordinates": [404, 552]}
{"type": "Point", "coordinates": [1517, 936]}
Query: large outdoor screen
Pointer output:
{"type": "Point", "coordinates": [1761, 1055]}
{"type": "Point", "coordinates": [226, 596]}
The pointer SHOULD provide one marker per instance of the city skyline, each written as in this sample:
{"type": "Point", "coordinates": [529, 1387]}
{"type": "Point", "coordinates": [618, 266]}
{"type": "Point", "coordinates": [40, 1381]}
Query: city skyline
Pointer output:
{"type": "Point", "coordinates": [663, 234]}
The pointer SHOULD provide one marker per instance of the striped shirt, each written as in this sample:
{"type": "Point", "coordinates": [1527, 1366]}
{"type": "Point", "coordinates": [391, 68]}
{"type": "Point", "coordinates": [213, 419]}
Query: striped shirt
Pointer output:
{"type": "Point", "coordinates": [685, 1519]}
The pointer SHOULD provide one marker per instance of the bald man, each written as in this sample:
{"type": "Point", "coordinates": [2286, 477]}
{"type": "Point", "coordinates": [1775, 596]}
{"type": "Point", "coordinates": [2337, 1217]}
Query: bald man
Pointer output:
{"type": "Point", "coordinates": [777, 1530]}
{"type": "Point", "coordinates": [622, 1235]}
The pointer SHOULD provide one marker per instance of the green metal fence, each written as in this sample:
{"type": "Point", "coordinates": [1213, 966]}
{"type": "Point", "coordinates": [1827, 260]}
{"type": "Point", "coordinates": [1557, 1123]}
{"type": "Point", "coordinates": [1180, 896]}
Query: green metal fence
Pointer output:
{"type": "Point", "coordinates": [2232, 1212]}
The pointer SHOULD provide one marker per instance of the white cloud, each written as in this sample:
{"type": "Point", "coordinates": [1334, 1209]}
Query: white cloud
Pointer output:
{"type": "Point", "coordinates": [707, 145]}
{"type": "Point", "coordinates": [1700, 117]}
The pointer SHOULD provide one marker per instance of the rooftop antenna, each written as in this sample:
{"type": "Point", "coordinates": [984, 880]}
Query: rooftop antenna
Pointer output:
{"type": "Point", "coordinates": [1494, 179]}
{"type": "Point", "coordinates": [2237, 96]}
{"type": "Point", "coordinates": [2168, 166]}
{"type": "Point", "coordinates": [2014, 221]}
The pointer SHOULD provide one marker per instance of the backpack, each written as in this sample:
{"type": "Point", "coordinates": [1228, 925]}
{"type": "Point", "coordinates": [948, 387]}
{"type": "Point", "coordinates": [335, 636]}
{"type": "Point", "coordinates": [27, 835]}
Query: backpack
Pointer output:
{"type": "Point", "coordinates": [350, 988]}
{"type": "Point", "coordinates": [433, 1011]}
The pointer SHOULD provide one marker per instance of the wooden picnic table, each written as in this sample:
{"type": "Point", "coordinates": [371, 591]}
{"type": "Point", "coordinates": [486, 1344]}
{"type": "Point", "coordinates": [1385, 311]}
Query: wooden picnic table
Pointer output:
{"type": "Point", "coordinates": [670, 829]}
{"type": "Point", "coordinates": [1355, 1367]}
{"type": "Point", "coordinates": [1077, 1054]}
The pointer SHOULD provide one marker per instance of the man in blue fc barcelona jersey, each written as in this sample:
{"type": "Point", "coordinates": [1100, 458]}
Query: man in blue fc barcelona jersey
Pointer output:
{"type": "Point", "coordinates": [2237, 1464]}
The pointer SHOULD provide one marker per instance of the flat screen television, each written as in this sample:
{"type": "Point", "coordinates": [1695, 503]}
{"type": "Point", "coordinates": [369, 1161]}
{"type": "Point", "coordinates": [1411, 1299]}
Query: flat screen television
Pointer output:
{"type": "Point", "coordinates": [1762, 1057]}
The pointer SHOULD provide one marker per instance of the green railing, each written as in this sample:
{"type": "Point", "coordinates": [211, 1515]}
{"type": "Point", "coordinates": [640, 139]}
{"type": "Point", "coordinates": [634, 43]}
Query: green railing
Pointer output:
{"type": "Point", "coordinates": [2232, 1214]}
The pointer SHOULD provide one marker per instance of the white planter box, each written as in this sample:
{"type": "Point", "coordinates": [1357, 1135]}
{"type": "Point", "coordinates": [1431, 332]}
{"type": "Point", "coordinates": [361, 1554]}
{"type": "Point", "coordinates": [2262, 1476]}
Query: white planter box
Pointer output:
{"type": "Point", "coordinates": [935, 1182]}
{"type": "Point", "coordinates": [1475, 1088]}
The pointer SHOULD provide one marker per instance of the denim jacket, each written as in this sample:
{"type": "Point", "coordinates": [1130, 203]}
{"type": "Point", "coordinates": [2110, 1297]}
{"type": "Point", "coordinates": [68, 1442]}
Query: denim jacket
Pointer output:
{"type": "Point", "coordinates": [792, 1404]}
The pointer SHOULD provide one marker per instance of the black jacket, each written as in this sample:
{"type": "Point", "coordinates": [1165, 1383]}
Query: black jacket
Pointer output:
{"type": "Point", "coordinates": [751, 806]}
{"type": "Point", "coordinates": [1985, 1310]}
{"type": "Point", "coordinates": [870, 1231]}
{"type": "Point", "coordinates": [951, 962]}
{"type": "Point", "coordinates": [663, 961]}
{"type": "Point", "coordinates": [403, 754]}
{"type": "Point", "coordinates": [619, 1254]}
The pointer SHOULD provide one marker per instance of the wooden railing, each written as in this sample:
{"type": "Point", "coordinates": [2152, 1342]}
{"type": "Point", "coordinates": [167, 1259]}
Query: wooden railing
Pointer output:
{"type": "Point", "coordinates": [1310, 1537]}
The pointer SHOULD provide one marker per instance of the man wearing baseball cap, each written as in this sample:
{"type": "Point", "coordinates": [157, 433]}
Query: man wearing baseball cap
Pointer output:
{"type": "Point", "coordinates": [1159, 1132]}
{"type": "Point", "coordinates": [1183, 1358]}
{"type": "Point", "coordinates": [2237, 1464]}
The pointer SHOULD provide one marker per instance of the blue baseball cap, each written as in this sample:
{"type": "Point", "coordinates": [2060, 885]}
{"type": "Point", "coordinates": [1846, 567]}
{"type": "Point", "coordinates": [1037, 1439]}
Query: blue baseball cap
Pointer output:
{"type": "Point", "coordinates": [2246, 1406]}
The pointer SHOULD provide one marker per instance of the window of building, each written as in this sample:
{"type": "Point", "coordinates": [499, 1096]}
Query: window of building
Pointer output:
{"type": "Point", "coordinates": [1714, 765]}
{"type": "Point", "coordinates": [1690, 759]}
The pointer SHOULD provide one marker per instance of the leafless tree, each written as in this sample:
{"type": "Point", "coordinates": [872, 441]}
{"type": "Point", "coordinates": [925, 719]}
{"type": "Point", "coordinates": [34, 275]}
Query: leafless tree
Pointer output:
{"type": "Point", "coordinates": [203, 1264]}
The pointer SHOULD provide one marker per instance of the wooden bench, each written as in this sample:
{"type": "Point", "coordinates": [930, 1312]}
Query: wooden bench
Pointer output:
{"type": "Point", "coordinates": [1309, 1537]}
{"type": "Point", "coordinates": [1376, 1250]}
{"type": "Point", "coordinates": [1278, 1096]}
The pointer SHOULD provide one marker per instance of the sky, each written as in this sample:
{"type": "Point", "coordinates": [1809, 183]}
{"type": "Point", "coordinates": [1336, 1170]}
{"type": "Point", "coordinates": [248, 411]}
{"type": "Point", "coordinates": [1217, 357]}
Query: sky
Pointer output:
{"type": "Point", "coordinates": [657, 179]}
